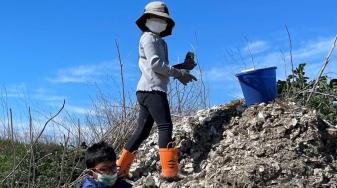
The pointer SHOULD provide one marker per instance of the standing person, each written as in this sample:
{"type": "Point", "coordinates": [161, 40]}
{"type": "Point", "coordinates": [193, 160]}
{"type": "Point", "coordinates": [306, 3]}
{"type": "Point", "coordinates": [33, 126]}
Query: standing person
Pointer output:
{"type": "Point", "coordinates": [151, 93]}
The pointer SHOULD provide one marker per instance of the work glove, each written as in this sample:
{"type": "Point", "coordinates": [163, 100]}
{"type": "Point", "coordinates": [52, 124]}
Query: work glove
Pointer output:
{"type": "Point", "coordinates": [185, 77]}
{"type": "Point", "coordinates": [188, 63]}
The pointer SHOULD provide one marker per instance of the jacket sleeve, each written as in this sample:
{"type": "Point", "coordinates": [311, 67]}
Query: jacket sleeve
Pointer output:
{"type": "Point", "coordinates": [155, 57]}
{"type": "Point", "coordinates": [86, 183]}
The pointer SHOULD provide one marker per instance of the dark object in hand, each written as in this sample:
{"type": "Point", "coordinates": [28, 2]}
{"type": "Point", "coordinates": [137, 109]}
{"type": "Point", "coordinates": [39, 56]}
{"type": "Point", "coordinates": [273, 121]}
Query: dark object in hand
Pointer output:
{"type": "Point", "coordinates": [188, 63]}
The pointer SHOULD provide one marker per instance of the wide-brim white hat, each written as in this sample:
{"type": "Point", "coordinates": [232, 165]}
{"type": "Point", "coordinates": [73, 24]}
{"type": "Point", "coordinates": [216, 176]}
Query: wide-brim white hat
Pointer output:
{"type": "Point", "coordinates": [156, 9]}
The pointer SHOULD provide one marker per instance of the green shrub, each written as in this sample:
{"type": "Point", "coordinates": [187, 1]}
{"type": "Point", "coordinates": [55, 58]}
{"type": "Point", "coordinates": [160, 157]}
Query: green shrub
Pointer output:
{"type": "Point", "coordinates": [46, 166]}
{"type": "Point", "coordinates": [297, 87]}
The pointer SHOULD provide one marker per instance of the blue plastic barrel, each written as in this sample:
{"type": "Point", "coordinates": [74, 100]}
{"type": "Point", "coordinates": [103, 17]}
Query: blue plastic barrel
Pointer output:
{"type": "Point", "coordinates": [258, 85]}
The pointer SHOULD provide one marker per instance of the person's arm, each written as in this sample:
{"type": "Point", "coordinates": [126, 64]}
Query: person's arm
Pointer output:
{"type": "Point", "coordinates": [153, 55]}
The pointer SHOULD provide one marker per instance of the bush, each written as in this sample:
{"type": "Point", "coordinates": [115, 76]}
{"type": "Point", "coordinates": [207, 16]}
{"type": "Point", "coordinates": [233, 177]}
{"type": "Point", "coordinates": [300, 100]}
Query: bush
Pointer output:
{"type": "Point", "coordinates": [44, 170]}
{"type": "Point", "coordinates": [297, 88]}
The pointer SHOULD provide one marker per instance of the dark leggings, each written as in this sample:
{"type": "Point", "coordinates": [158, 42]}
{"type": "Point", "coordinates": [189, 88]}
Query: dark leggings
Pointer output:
{"type": "Point", "coordinates": [154, 107]}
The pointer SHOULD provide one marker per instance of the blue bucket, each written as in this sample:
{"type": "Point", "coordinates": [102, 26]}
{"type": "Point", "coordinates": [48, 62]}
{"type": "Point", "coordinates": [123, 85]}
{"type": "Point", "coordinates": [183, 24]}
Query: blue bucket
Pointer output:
{"type": "Point", "coordinates": [258, 85]}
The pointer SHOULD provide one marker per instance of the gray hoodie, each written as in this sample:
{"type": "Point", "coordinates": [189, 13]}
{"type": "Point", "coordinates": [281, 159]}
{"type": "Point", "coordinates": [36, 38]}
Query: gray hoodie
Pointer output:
{"type": "Point", "coordinates": [154, 64]}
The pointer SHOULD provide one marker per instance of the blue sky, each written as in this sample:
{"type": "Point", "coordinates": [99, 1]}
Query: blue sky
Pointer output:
{"type": "Point", "coordinates": [53, 50]}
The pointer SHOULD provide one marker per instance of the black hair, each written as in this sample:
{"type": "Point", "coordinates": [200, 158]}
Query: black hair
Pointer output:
{"type": "Point", "coordinates": [99, 152]}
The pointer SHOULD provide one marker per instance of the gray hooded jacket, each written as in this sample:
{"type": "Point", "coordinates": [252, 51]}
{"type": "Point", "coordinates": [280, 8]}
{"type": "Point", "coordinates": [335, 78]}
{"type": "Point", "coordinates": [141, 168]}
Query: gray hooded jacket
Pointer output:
{"type": "Point", "coordinates": [153, 64]}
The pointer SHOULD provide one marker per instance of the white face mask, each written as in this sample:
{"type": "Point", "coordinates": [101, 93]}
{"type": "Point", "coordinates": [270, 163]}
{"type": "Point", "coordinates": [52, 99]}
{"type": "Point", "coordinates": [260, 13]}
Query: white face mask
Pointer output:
{"type": "Point", "coordinates": [156, 25]}
{"type": "Point", "coordinates": [106, 179]}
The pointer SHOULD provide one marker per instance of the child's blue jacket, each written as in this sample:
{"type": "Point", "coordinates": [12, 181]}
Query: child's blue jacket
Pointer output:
{"type": "Point", "coordinates": [88, 182]}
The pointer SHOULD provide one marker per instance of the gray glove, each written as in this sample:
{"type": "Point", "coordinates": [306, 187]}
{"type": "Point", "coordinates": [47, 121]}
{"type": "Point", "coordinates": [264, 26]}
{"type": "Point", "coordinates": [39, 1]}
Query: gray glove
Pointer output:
{"type": "Point", "coordinates": [188, 63]}
{"type": "Point", "coordinates": [186, 77]}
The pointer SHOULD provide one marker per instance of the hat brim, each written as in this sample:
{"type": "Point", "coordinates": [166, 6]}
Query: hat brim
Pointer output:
{"type": "Point", "coordinates": [170, 23]}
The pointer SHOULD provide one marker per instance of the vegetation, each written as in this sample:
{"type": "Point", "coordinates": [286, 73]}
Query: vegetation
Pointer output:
{"type": "Point", "coordinates": [51, 164]}
{"type": "Point", "coordinates": [297, 87]}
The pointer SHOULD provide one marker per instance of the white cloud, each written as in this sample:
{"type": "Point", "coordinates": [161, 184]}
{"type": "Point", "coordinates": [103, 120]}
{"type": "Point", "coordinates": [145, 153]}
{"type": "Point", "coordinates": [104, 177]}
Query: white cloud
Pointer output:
{"type": "Point", "coordinates": [222, 72]}
{"type": "Point", "coordinates": [311, 52]}
{"type": "Point", "coordinates": [45, 95]}
{"type": "Point", "coordinates": [223, 82]}
{"type": "Point", "coordinates": [216, 74]}
{"type": "Point", "coordinates": [77, 109]}
{"type": "Point", "coordinates": [14, 91]}
{"type": "Point", "coordinates": [22, 91]}
{"type": "Point", "coordinates": [256, 47]}
{"type": "Point", "coordinates": [313, 49]}
{"type": "Point", "coordinates": [84, 73]}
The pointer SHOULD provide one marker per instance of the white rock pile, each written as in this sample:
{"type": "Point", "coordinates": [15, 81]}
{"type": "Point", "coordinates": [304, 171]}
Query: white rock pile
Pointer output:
{"type": "Point", "coordinates": [267, 145]}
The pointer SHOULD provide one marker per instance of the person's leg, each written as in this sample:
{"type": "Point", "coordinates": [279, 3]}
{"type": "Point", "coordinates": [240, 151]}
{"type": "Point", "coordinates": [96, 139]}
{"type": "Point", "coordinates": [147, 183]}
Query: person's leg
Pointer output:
{"type": "Point", "coordinates": [159, 109]}
{"type": "Point", "coordinates": [145, 123]}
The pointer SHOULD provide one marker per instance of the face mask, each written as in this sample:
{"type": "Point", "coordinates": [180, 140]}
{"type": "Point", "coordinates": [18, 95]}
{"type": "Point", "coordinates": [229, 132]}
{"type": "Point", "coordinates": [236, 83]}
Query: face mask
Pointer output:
{"type": "Point", "coordinates": [156, 25]}
{"type": "Point", "coordinates": [106, 179]}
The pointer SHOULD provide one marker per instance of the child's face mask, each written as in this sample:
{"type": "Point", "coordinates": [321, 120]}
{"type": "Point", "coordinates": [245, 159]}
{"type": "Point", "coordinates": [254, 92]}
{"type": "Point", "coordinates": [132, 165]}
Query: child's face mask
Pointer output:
{"type": "Point", "coordinates": [104, 173]}
{"type": "Point", "coordinates": [107, 180]}
{"type": "Point", "coordinates": [156, 25]}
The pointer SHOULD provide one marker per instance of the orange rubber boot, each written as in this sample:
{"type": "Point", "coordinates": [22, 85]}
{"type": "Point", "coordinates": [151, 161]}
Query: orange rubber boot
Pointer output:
{"type": "Point", "coordinates": [124, 163]}
{"type": "Point", "coordinates": [169, 162]}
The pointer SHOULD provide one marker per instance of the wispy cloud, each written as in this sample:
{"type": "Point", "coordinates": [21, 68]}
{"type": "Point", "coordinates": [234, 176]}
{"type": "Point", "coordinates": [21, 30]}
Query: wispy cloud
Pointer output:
{"type": "Point", "coordinates": [54, 101]}
{"type": "Point", "coordinates": [223, 83]}
{"type": "Point", "coordinates": [219, 74]}
{"type": "Point", "coordinates": [312, 53]}
{"type": "Point", "coordinates": [21, 90]}
{"type": "Point", "coordinates": [84, 73]}
{"type": "Point", "coordinates": [256, 47]}
{"type": "Point", "coordinates": [14, 90]}
{"type": "Point", "coordinates": [77, 109]}
{"type": "Point", "coordinates": [46, 95]}
{"type": "Point", "coordinates": [313, 49]}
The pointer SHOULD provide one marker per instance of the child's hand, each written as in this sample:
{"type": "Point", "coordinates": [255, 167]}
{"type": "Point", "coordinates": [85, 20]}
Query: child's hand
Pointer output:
{"type": "Point", "coordinates": [90, 173]}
